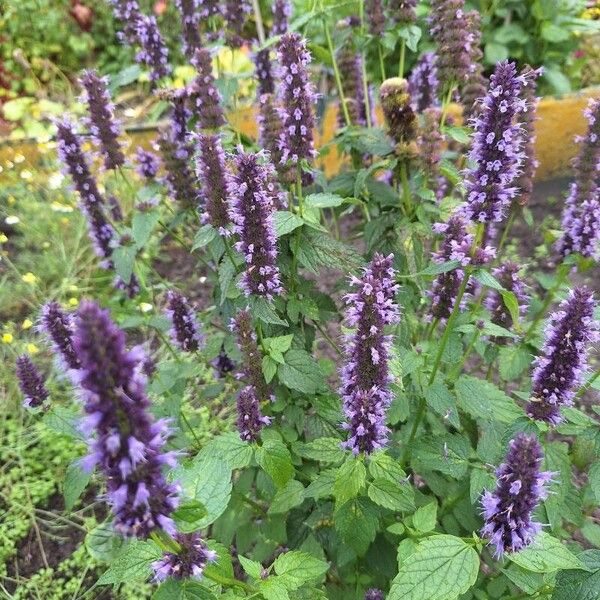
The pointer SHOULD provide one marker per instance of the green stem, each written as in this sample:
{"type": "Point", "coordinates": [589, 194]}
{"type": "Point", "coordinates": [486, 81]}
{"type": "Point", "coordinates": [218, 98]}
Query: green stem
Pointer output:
{"type": "Point", "coordinates": [328, 338]}
{"type": "Point", "coordinates": [260, 29]}
{"type": "Point", "coordinates": [406, 199]}
{"type": "Point", "coordinates": [457, 371]}
{"type": "Point", "coordinates": [507, 228]}
{"type": "Point", "coordinates": [402, 57]}
{"type": "Point", "coordinates": [588, 384]}
{"type": "Point", "coordinates": [446, 105]}
{"type": "Point", "coordinates": [361, 6]}
{"type": "Point", "coordinates": [381, 62]}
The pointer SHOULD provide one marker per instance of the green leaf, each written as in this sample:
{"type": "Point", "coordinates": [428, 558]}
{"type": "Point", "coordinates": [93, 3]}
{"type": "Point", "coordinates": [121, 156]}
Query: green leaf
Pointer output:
{"type": "Point", "coordinates": [594, 479]}
{"type": "Point", "coordinates": [512, 305]}
{"type": "Point", "coordinates": [425, 517]}
{"type": "Point", "coordinates": [186, 589]}
{"type": "Point", "coordinates": [323, 200]}
{"type": "Point", "coordinates": [383, 466]}
{"type": "Point", "coordinates": [142, 226]}
{"type": "Point", "coordinates": [545, 555]}
{"type": "Point", "coordinates": [317, 250]}
{"type": "Point", "coordinates": [286, 222]}
{"type": "Point", "coordinates": [102, 543]}
{"type": "Point", "coordinates": [448, 454]}
{"type": "Point", "coordinates": [275, 459]}
{"type": "Point", "coordinates": [368, 141]}
{"type": "Point", "coordinates": [64, 421]}
{"type": "Point", "coordinates": [462, 135]}
{"type": "Point", "coordinates": [580, 585]}
{"type": "Point", "coordinates": [322, 486]}
{"type": "Point", "coordinates": [230, 448]}
{"type": "Point", "coordinates": [356, 522]}
{"type": "Point", "coordinates": [262, 309]}
{"type": "Point", "coordinates": [513, 361]}
{"type": "Point", "coordinates": [274, 588]}
{"type": "Point", "coordinates": [487, 279]}
{"type": "Point", "coordinates": [398, 497]}
{"type": "Point", "coordinates": [253, 568]}
{"type": "Point", "coordinates": [287, 497]}
{"type": "Point", "coordinates": [439, 268]}
{"type": "Point", "coordinates": [132, 564]}
{"type": "Point", "coordinates": [326, 450]}
{"type": "Point", "coordinates": [269, 368]}
{"type": "Point", "coordinates": [412, 35]}
{"type": "Point", "coordinates": [301, 372]}
{"type": "Point", "coordinates": [480, 480]}
{"type": "Point", "coordinates": [208, 480]}
{"type": "Point", "coordinates": [206, 234]}
{"type": "Point", "coordinates": [495, 53]}
{"type": "Point", "coordinates": [442, 568]}
{"type": "Point", "coordinates": [484, 401]}
{"type": "Point", "coordinates": [299, 567]}
{"type": "Point", "coordinates": [76, 480]}
{"type": "Point", "coordinates": [439, 397]}
{"type": "Point", "coordinates": [123, 258]}
{"type": "Point", "coordinates": [190, 512]}
{"type": "Point", "coordinates": [350, 480]}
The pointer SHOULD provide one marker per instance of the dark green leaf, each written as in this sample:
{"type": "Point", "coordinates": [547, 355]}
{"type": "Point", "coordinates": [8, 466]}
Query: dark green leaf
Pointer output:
{"type": "Point", "coordinates": [76, 480]}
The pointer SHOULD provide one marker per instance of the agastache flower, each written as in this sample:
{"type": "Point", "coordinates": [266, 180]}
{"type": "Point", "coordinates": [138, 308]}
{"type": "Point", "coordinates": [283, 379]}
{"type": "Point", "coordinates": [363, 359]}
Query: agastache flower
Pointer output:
{"type": "Point", "coordinates": [190, 11]}
{"type": "Point", "coordinates": [431, 145]}
{"type": "Point", "coordinates": [270, 128]}
{"type": "Point", "coordinates": [235, 14]}
{"type": "Point", "coordinates": [581, 215]}
{"type": "Point", "coordinates": [350, 63]}
{"type": "Point", "coordinates": [212, 173]}
{"type": "Point", "coordinates": [125, 442]}
{"type": "Point", "coordinates": [496, 151]}
{"type": "Point", "coordinates": [252, 194]}
{"type": "Point", "coordinates": [373, 594]}
{"type": "Point", "coordinates": [375, 17]}
{"type": "Point", "coordinates": [188, 562]}
{"type": "Point", "coordinates": [450, 31]}
{"type": "Point", "coordinates": [264, 75]}
{"type": "Point", "coordinates": [402, 11]}
{"type": "Point", "coordinates": [147, 163]}
{"type": "Point", "coordinates": [179, 177]}
{"type": "Point", "coordinates": [154, 53]}
{"type": "Point", "coordinates": [31, 383]}
{"type": "Point", "coordinates": [508, 277]}
{"type": "Point", "coordinates": [209, 8]}
{"type": "Point", "coordinates": [282, 11]}
{"type": "Point", "coordinates": [562, 363]}
{"type": "Point", "coordinates": [205, 96]}
{"type": "Point", "coordinates": [476, 84]}
{"type": "Point", "coordinates": [58, 326]}
{"type": "Point", "coordinates": [250, 420]}
{"type": "Point", "coordinates": [456, 246]}
{"type": "Point", "coordinates": [423, 83]}
{"type": "Point", "coordinates": [251, 372]}
{"type": "Point", "coordinates": [297, 98]}
{"type": "Point", "coordinates": [101, 123]}
{"type": "Point", "coordinates": [129, 13]}
{"type": "Point", "coordinates": [508, 510]}
{"type": "Point", "coordinates": [185, 331]}
{"type": "Point", "coordinates": [399, 115]}
{"type": "Point", "coordinates": [365, 376]}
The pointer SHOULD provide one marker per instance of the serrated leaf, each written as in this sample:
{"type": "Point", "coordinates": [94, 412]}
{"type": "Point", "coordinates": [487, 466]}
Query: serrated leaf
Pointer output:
{"type": "Point", "coordinates": [132, 564]}
{"type": "Point", "coordinates": [442, 568]}
{"type": "Point", "coordinates": [383, 466]}
{"type": "Point", "coordinates": [287, 497]}
{"type": "Point", "coordinates": [299, 567]}
{"type": "Point", "coordinates": [301, 372]}
{"type": "Point", "coordinates": [327, 450]}
{"type": "Point", "coordinates": [458, 134]}
{"type": "Point", "coordinates": [323, 200]}
{"type": "Point", "coordinates": [398, 497]}
{"type": "Point", "coordinates": [513, 361]}
{"type": "Point", "coordinates": [322, 486]}
{"type": "Point", "coordinates": [594, 479]}
{"type": "Point", "coordinates": [443, 402]}
{"type": "Point", "coordinates": [102, 543]}
{"type": "Point", "coordinates": [275, 459]}
{"type": "Point", "coordinates": [177, 589]}
{"type": "Point", "coordinates": [425, 517]}
{"type": "Point", "coordinates": [574, 584]}
{"type": "Point", "coordinates": [64, 421]}
{"type": "Point", "coordinates": [142, 226]}
{"type": "Point", "coordinates": [318, 250]}
{"type": "Point", "coordinates": [76, 480]}
{"type": "Point", "coordinates": [253, 568]}
{"type": "Point", "coordinates": [206, 234]}
{"type": "Point", "coordinates": [480, 480]}
{"type": "Point", "coordinates": [488, 280]}
{"type": "Point", "coordinates": [123, 258]}
{"type": "Point", "coordinates": [269, 368]}
{"type": "Point", "coordinates": [190, 512]}
{"type": "Point", "coordinates": [545, 555]}
{"type": "Point", "coordinates": [448, 454]}
{"type": "Point", "coordinates": [356, 522]}
{"type": "Point", "coordinates": [439, 268]}
{"type": "Point", "coordinates": [230, 448]}
{"type": "Point", "coordinates": [484, 401]}
{"type": "Point", "coordinates": [285, 222]}
{"type": "Point", "coordinates": [350, 480]}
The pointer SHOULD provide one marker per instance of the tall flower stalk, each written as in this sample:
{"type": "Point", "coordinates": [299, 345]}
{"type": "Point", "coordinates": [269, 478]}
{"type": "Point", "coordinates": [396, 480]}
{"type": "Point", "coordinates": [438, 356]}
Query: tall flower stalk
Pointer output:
{"type": "Point", "coordinates": [190, 11]}
{"type": "Point", "coordinates": [187, 562]}
{"type": "Point", "coordinates": [185, 331]}
{"type": "Point", "coordinates": [31, 383]}
{"type": "Point", "coordinates": [365, 375]}
{"type": "Point", "coordinates": [423, 83]}
{"type": "Point", "coordinates": [206, 99]}
{"type": "Point", "coordinates": [58, 326]}
{"type": "Point", "coordinates": [282, 11]}
{"type": "Point", "coordinates": [154, 52]}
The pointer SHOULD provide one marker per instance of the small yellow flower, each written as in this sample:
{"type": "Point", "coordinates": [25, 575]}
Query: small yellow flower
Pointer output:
{"type": "Point", "coordinates": [29, 278]}
{"type": "Point", "coordinates": [11, 200]}
{"type": "Point", "coordinates": [45, 245]}
{"type": "Point", "coordinates": [7, 338]}
{"type": "Point", "coordinates": [8, 164]}
{"type": "Point", "coordinates": [32, 348]}
{"type": "Point", "coordinates": [59, 207]}
{"type": "Point", "coordinates": [73, 302]}
{"type": "Point", "coordinates": [64, 221]}
{"type": "Point", "coordinates": [27, 175]}
{"type": "Point", "coordinates": [145, 307]}
{"type": "Point", "coordinates": [3, 238]}
{"type": "Point", "coordinates": [19, 158]}
{"type": "Point", "coordinates": [27, 324]}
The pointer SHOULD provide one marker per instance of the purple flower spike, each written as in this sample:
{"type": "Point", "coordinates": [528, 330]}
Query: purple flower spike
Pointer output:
{"type": "Point", "coordinates": [212, 172]}
{"type": "Point", "coordinates": [129, 13]}
{"type": "Point", "coordinates": [399, 115]}
{"type": "Point", "coordinates": [365, 376]}
{"type": "Point", "coordinates": [431, 145]}
{"type": "Point", "coordinates": [31, 382]}
{"type": "Point", "coordinates": [185, 331]}
{"type": "Point", "coordinates": [223, 364]}
{"type": "Point", "coordinates": [250, 420]}
{"type": "Point", "coordinates": [508, 277]}
{"type": "Point", "coordinates": [560, 368]}
{"type": "Point", "coordinates": [188, 563]}
{"type": "Point", "coordinates": [190, 11]}
{"type": "Point", "coordinates": [101, 123]}
{"type": "Point", "coordinates": [282, 11]}
{"type": "Point", "coordinates": [270, 129]}
{"type": "Point", "coordinates": [350, 63]}
{"type": "Point", "coordinates": [125, 442]}
{"type": "Point", "coordinates": [450, 31]}
{"type": "Point", "coordinates": [581, 215]}
{"type": "Point", "coordinates": [209, 8]}
{"type": "Point", "coordinates": [179, 177]}
{"type": "Point", "coordinates": [423, 83]}
{"type": "Point", "coordinates": [457, 245]}
{"type": "Point", "coordinates": [476, 84]}
{"type": "Point", "coordinates": [252, 192]}
{"type": "Point", "coordinates": [402, 11]}
{"type": "Point", "coordinates": [154, 53]}
{"type": "Point", "coordinates": [264, 75]}
{"type": "Point", "coordinates": [204, 94]}
{"type": "Point", "coordinates": [375, 17]}
{"type": "Point", "coordinates": [58, 326]}
{"type": "Point", "coordinates": [507, 511]}
{"type": "Point", "coordinates": [297, 99]}
{"type": "Point", "coordinates": [235, 14]}
{"type": "Point", "coordinates": [496, 152]}
{"type": "Point", "coordinates": [373, 594]}
{"type": "Point", "coordinates": [252, 373]}
{"type": "Point", "coordinates": [147, 163]}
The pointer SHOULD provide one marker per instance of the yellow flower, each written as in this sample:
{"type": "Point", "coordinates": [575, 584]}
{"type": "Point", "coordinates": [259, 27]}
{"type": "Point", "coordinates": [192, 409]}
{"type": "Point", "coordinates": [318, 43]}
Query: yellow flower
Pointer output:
{"type": "Point", "coordinates": [27, 324]}
{"type": "Point", "coordinates": [145, 307]}
{"type": "Point", "coordinates": [7, 338]}
{"type": "Point", "coordinates": [29, 278]}
{"type": "Point", "coordinates": [32, 348]}
{"type": "Point", "coordinates": [19, 158]}
{"type": "Point", "coordinates": [73, 302]}
{"type": "Point", "coordinates": [25, 174]}
{"type": "Point", "coordinates": [59, 207]}
{"type": "Point", "coordinates": [3, 238]}
{"type": "Point", "coordinates": [11, 200]}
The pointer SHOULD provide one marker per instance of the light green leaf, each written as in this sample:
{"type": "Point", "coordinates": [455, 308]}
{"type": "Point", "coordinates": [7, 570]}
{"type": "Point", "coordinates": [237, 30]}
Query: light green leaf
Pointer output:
{"type": "Point", "coordinates": [301, 372]}
{"type": "Point", "coordinates": [580, 585]}
{"type": "Point", "coordinates": [206, 234]}
{"type": "Point", "coordinates": [442, 568]}
{"type": "Point", "coordinates": [356, 522]}
{"type": "Point", "coordinates": [425, 517]}
{"type": "Point", "coordinates": [190, 512]}
{"type": "Point", "coordinates": [513, 361]}
{"type": "Point", "coordinates": [287, 497]}
{"type": "Point", "coordinates": [230, 448]}
{"type": "Point", "coordinates": [545, 555]}
{"type": "Point", "coordinates": [102, 543]}
{"type": "Point", "coordinates": [323, 200]}
{"type": "Point", "coordinates": [286, 222]}
{"type": "Point", "coordinates": [350, 480]}
{"type": "Point", "coordinates": [383, 466]}
{"type": "Point", "coordinates": [123, 258]}
{"type": "Point", "coordinates": [327, 450]}
{"type": "Point", "coordinates": [76, 480]}
{"type": "Point", "coordinates": [142, 226]}
{"type": "Point", "coordinates": [594, 479]}
{"type": "Point", "coordinates": [484, 401]}
{"type": "Point", "coordinates": [275, 459]}
{"type": "Point", "coordinates": [398, 497]}
{"type": "Point", "coordinates": [299, 567]}
{"type": "Point", "coordinates": [253, 568]}
{"type": "Point", "coordinates": [132, 564]}
{"type": "Point", "coordinates": [186, 589]}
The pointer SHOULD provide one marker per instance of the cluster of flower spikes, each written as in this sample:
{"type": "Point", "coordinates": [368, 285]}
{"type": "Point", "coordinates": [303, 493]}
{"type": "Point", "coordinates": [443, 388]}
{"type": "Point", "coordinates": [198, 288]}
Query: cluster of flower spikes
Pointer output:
{"type": "Point", "coordinates": [58, 326]}
{"type": "Point", "coordinates": [125, 442]}
{"type": "Point", "coordinates": [101, 123]}
{"type": "Point", "coordinates": [423, 84]}
{"type": "Point", "coordinates": [154, 52]}
{"type": "Point", "coordinates": [91, 202]}
{"type": "Point", "coordinates": [496, 152]}
{"type": "Point", "coordinates": [365, 375]}
{"type": "Point", "coordinates": [507, 511]}
{"type": "Point", "coordinates": [402, 11]}
{"type": "Point", "coordinates": [31, 382]}
{"type": "Point", "coordinates": [297, 97]}
{"type": "Point", "coordinates": [211, 170]}
{"type": "Point", "coordinates": [457, 245]}
{"type": "Point", "coordinates": [250, 420]}
{"type": "Point", "coordinates": [187, 562]}
{"type": "Point", "coordinates": [206, 99]}
{"type": "Point", "coordinates": [508, 277]}
{"type": "Point", "coordinates": [185, 331]}
{"type": "Point", "coordinates": [581, 215]}
{"type": "Point", "coordinates": [147, 163]}
{"type": "Point", "coordinates": [476, 84]}
{"type": "Point", "coordinates": [397, 110]}
{"type": "Point", "coordinates": [562, 362]}
{"type": "Point", "coordinates": [451, 33]}
{"type": "Point", "coordinates": [235, 13]}
{"type": "Point", "coordinates": [190, 24]}
{"type": "Point", "coordinates": [252, 189]}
